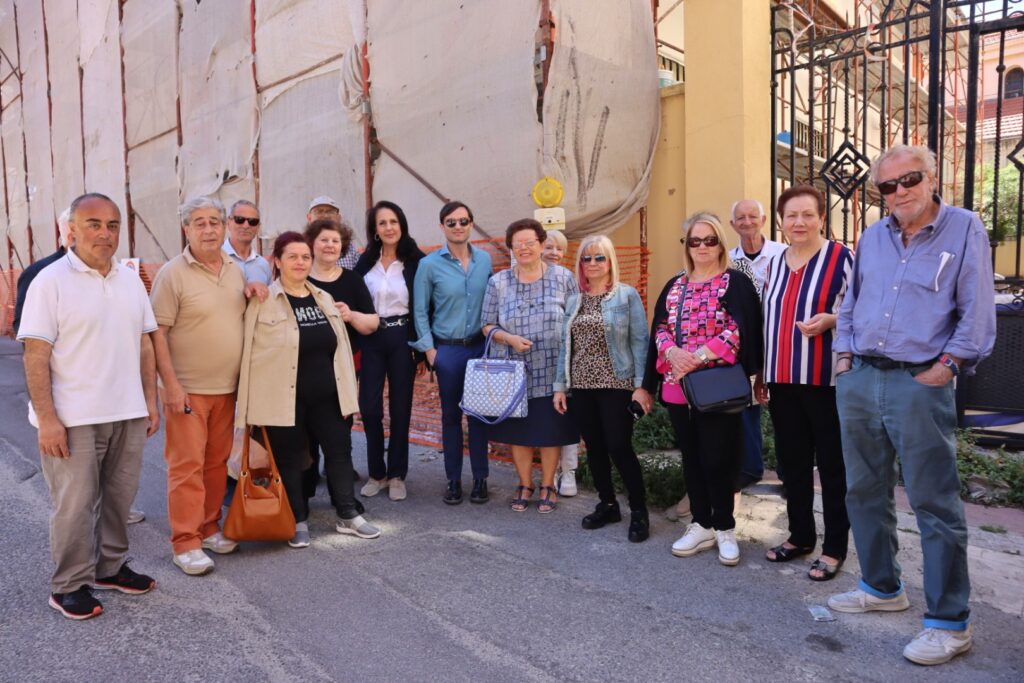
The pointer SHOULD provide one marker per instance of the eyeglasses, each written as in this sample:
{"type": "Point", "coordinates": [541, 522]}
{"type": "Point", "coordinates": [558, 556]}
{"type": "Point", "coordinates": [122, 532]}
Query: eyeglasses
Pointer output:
{"type": "Point", "coordinates": [907, 180]}
{"type": "Point", "coordinates": [451, 222]}
{"type": "Point", "coordinates": [239, 220]}
{"type": "Point", "coordinates": [525, 245]}
{"type": "Point", "coordinates": [598, 258]}
{"type": "Point", "coordinates": [694, 242]}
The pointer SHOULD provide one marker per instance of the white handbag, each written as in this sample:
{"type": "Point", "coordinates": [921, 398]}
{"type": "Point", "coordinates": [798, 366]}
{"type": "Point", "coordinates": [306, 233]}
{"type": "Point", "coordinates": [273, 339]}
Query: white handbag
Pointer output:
{"type": "Point", "coordinates": [494, 388]}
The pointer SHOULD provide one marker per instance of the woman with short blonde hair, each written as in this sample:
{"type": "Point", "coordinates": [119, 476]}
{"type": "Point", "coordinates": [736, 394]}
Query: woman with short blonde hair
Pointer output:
{"type": "Point", "coordinates": [712, 221]}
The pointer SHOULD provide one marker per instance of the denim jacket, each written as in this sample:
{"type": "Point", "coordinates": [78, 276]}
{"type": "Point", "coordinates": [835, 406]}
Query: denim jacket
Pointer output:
{"type": "Point", "coordinates": [625, 332]}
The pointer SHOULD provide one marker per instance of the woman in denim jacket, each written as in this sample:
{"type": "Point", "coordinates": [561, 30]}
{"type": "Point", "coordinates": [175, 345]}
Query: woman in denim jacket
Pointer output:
{"type": "Point", "coordinates": [601, 360]}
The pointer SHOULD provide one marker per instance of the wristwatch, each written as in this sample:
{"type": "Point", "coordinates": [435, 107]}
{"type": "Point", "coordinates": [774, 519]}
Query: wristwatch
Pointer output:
{"type": "Point", "coordinates": [702, 354]}
{"type": "Point", "coordinates": [948, 361]}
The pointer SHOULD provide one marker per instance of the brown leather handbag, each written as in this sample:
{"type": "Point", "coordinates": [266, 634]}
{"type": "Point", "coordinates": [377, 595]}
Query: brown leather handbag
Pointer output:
{"type": "Point", "coordinates": [259, 512]}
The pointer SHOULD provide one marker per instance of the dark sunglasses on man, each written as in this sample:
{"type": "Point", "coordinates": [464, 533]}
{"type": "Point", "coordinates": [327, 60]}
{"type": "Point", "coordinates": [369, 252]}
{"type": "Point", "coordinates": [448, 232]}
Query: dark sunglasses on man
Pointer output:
{"type": "Point", "coordinates": [907, 180]}
{"type": "Point", "coordinates": [239, 220]}
{"type": "Point", "coordinates": [451, 222]}
{"type": "Point", "coordinates": [694, 242]}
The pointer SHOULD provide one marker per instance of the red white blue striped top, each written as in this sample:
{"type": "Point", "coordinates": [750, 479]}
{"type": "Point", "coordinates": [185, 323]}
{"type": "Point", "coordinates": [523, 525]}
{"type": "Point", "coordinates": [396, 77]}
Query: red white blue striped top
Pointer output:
{"type": "Point", "coordinates": [797, 295]}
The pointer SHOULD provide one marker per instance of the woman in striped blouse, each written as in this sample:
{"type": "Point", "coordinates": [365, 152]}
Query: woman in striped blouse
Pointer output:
{"type": "Point", "coordinates": [802, 294]}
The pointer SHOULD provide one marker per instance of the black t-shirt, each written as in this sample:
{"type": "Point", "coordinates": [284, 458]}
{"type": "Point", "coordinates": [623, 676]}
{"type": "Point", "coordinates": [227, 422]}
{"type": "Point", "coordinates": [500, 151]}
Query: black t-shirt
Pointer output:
{"type": "Point", "coordinates": [349, 289]}
{"type": "Point", "coordinates": [753, 256]}
{"type": "Point", "coordinates": [317, 344]}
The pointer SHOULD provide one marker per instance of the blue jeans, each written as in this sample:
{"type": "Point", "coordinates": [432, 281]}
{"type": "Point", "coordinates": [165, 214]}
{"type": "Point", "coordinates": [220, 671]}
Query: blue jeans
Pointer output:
{"type": "Point", "coordinates": [885, 415]}
{"type": "Point", "coordinates": [450, 366]}
{"type": "Point", "coordinates": [752, 462]}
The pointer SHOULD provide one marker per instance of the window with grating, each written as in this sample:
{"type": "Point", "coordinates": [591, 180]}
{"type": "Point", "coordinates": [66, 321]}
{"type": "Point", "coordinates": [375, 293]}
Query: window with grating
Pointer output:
{"type": "Point", "coordinates": [1014, 83]}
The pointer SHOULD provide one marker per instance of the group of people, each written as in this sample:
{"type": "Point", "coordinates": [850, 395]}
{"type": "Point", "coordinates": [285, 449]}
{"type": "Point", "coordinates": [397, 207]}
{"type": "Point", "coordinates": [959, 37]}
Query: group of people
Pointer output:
{"type": "Point", "coordinates": [853, 355]}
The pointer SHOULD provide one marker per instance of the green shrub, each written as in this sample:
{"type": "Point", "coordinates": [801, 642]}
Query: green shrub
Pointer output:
{"type": "Point", "coordinates": [663, 478]}
{"type": "Point", "coordinates": [1001, 468]}
{"type": "Point", "coordinates": [653, 432]}
{"type": "Point", "coordinates": [768, 437]}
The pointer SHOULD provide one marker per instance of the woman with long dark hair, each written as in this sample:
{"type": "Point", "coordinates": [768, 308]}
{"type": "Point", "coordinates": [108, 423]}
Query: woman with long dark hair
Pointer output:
{"type": "Point", "coordinates": [388, 267]}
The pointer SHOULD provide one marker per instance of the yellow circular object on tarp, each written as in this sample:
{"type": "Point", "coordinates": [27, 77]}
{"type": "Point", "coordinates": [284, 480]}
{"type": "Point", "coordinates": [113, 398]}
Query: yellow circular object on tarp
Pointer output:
{"type": "Point", "coordinates": [547, 192]}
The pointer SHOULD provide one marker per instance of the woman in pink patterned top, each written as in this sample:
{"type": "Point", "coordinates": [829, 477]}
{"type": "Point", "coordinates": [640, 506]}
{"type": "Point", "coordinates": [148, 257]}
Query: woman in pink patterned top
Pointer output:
{"type": "Point", "coordinates": [707, 315]}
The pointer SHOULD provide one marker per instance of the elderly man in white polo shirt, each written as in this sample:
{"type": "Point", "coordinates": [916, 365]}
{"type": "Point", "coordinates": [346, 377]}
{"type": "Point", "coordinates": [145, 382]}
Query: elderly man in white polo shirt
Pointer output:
{"type": "Point", "coordinates": [91, 375]}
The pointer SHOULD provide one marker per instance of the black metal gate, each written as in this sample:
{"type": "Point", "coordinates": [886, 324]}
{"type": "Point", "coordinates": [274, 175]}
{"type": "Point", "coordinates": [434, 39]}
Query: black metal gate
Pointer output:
{"type": "Point", "coordinates": [934, 72]}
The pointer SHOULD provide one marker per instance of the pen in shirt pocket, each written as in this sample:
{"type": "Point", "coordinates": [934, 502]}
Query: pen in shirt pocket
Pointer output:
{"type": "Point", "coordinates": [944, 258]}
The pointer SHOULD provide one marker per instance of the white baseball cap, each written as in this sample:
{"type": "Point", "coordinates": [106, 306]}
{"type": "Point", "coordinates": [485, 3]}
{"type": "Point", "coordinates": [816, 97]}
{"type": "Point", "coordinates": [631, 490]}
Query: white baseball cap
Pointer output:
{"type": "Point", "coordinates": [323, 200]}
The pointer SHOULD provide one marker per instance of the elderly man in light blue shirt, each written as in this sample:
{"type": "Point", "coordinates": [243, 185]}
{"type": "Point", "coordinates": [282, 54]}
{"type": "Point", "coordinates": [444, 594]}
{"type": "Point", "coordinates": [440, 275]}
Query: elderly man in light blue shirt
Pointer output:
{"type": "Point", "coordinates": [243, 229]}
{"type": "Point", "coordinates": [449, 295]}
{"type": "Point", "coordinates": [920, 311]}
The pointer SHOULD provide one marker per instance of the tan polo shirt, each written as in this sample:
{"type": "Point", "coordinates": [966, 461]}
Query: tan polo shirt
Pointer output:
{"type": "Point", "coordinates": [204, 312]}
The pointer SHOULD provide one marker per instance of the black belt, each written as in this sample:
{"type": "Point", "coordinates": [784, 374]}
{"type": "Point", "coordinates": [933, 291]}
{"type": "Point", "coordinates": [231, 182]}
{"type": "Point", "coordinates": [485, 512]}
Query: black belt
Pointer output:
{"type": "Point", "coordinates": [883, 363]}
{"type": "Point", "coordinates": [394, 320]}
{"type": "Point", "coordinates": [468, 341]}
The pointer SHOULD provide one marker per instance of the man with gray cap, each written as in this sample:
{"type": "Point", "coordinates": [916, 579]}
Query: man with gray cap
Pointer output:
{"type": "Point", "coordinates": [325, 207]}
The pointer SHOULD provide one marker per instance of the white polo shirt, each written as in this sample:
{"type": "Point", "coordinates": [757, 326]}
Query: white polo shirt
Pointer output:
{"type": "Point", "coordinates": [760, 264]}
{"type": "Point", "coordinates": [95, 325]}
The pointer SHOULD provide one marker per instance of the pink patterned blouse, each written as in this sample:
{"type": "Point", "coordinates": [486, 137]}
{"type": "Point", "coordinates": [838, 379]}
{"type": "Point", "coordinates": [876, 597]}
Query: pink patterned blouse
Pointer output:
{"type": "Point", "coordinates": [704, 321]}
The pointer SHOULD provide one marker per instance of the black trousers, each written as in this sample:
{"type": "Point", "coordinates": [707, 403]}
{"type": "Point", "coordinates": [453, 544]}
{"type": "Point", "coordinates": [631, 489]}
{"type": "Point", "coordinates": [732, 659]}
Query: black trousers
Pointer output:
{"type": "Point", "coordinates": [606, 425]}
{"type": "Point", "coordinates": [386, 355]}
{"type": "Point", "coordinates": [711, 445]}
{"type": "Point", "coordinates": [321, 420]}
{"type": "Point", "coordinates": [807, 433]}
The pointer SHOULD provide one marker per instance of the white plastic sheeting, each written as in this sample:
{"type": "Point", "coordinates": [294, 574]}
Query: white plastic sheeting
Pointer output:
{"type": "Point", "coordinates": [452, 95]}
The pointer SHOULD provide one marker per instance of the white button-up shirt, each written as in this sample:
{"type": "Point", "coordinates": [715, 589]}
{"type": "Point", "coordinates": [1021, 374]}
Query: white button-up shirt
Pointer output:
{"type": "Point", "coordinates": [388, 289]}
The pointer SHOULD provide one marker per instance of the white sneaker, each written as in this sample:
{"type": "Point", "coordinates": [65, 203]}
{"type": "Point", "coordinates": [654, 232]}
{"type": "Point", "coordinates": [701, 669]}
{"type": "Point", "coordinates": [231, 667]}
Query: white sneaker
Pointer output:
{"type": "Point", "coordinates": [135, 516]}
{"type": "Point", "coordinates": [357, 526]}
{"type": "Point", "coordinates": [728, 549]}
{"type": "Point", "coordinates": [696, 539]}
{"type": "Point", "coordinates": [372, 487]}
{"type": "Point", "coordinates": [857, 602]}
{"type": "Point", "coordinates": [396, 489]}
{"type": "Point", "coordinates": [194, 562]}
{"type": "Point", "coordinates": [567, 484]}
{"type": "Point", "coordinates": [220, 544]}
{"type": "Point", "coordinates": [937, 645]}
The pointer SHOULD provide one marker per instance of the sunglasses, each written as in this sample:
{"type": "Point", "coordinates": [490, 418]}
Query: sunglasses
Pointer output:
{"type": "Point", "coordinates": [694, 242]}
{"type": "Point", "coordinates": [907, 180]}
{"type": "Point", "coordinates": [599, 258]}
{"type": "Point", "coordinates": [452, 222]}
{"type": "Point", "coordinates": [239, 220]}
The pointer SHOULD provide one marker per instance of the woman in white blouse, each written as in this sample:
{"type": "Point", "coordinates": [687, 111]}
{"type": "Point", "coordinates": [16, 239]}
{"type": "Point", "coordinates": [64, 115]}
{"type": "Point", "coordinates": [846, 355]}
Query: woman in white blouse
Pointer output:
{"type": "Point", "coordinates": [389, 268]}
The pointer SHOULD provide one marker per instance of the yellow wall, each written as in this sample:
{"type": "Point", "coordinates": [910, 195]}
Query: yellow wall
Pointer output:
{"type": "Point", "coordinates": [665, 203]}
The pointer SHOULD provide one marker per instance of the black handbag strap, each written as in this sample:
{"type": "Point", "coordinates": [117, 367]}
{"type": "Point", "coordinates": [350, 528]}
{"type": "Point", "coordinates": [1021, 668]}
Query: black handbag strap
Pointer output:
{"type": "Point", "coordinates": [679, 312]}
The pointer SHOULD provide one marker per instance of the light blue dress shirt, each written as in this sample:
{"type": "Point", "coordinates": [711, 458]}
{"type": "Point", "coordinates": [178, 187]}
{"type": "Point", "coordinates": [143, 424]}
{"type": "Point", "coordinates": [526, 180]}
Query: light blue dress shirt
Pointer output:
{"type": "Point", "coordinates": [255, 268]}
{"type": "Point", "coordinates": [933, 296]}
{"type": "Point", "coordinates": [447, 299]}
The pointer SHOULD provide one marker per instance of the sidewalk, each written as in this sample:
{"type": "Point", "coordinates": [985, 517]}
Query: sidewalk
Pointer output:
{"type": "Point", "coordinates": [995, 558]}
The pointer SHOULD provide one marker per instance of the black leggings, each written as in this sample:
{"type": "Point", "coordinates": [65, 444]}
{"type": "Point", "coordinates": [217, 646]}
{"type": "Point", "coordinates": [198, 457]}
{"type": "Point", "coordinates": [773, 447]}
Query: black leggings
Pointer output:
{"type": "Point", "coordinates": [710, 443]}
{"type": "Point", "coordinates": [386, 355]}
{"type": "Point", "coordinates": [321, 420]}
{"type": "Point", "coordinates": [807, 433]}
{"type": "Point", "coordinates": [607, 427]}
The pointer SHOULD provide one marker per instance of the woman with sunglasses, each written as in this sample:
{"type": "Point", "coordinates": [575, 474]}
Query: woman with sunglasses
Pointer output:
{"type": "Point", "coordinates": [803, 290]}
{"type": "Point", "coordinates": [389, 268]}
{"type": "Point", "coordinates": [297, 379]}
{"type": "Point", "coordinates": [601, 361]}
{"type": "Point", "coordinates": [526, 304]}
{"type": "Point", "coordinates": [708, 315]}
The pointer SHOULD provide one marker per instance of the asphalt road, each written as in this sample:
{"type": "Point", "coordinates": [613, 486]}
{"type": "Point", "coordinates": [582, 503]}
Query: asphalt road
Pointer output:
{"type": "Point", "coordinates": [467, 593]}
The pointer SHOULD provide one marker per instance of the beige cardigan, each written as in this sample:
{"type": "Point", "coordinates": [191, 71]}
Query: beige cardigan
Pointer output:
{"type": "Point", "coordinates": [270, 356]}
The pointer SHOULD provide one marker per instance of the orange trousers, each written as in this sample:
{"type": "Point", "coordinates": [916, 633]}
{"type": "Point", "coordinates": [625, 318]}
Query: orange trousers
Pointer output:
{"type": "Point", "coordinates": [196, 449]}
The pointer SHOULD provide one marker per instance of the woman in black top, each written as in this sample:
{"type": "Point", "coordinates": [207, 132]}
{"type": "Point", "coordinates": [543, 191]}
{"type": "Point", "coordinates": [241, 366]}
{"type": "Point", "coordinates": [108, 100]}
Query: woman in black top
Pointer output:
{"type": "Point", "coordinates": [388, 267]}
{"type": "Point", "coordinates": [330, 239]}
{"type": "Point", "coordinates": [323, 385]}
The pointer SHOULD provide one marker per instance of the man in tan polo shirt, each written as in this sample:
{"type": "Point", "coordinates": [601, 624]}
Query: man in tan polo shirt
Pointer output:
{"type": "Point", "coordinates": [199, 298]}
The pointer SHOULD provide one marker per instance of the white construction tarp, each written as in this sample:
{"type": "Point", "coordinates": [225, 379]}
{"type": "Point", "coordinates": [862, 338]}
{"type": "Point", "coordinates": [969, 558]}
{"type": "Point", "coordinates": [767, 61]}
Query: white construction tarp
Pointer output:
{"type": "Point", "coordinates": [65, 99]}
{"type": "Point", "coordinates": [217, 94]}
{"type": "Point", "coordinates": [11, 137]}
{"type": "Point", "coordinates": [102, 110]}
{"type": "Point", "coordinates": [149, 33]}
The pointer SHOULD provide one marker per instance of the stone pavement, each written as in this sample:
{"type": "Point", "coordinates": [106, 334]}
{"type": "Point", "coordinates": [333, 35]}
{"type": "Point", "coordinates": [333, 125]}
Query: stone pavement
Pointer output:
{"type": "Point", "coordinates": [466, 593]}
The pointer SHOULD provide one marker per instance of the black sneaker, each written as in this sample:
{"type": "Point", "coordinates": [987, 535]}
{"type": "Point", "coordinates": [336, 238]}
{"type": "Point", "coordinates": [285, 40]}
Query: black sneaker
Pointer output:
{"type": "Point", "coordinates": [453, 496]}
{"type": "Point", "coordinates": [126, 581]}
{"type": "Point", "coordinates": [78, 605]}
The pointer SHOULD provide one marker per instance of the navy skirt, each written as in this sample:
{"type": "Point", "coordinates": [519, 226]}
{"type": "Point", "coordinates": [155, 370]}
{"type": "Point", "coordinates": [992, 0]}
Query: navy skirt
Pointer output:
{"type": "Point", "coordinates": [541, 427]}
